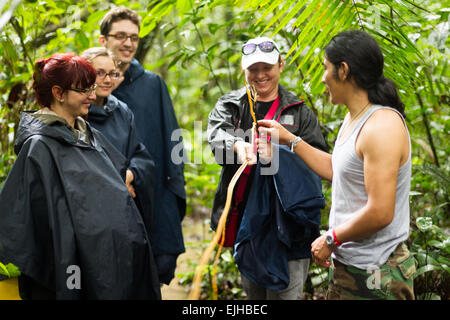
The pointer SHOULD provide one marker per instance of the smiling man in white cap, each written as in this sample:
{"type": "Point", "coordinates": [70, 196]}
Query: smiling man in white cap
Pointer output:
{"type": "Point", "coordinates": [229, 134]}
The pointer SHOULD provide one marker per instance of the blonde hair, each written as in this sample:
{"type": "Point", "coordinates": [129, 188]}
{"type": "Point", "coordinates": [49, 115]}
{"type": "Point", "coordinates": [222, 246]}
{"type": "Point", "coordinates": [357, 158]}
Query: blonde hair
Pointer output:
{"type": "Point", "coordinates": [92, 53]}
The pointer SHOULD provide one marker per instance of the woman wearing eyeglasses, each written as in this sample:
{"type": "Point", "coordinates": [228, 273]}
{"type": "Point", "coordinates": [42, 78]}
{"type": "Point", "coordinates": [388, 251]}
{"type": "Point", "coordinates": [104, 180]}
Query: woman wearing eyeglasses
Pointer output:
{"type": "Point", "coordinates": [270, 269]}
{"type": "Point", "coordinates": [68, 221]}
{"type": "Point", "coordinates": [115, 121]}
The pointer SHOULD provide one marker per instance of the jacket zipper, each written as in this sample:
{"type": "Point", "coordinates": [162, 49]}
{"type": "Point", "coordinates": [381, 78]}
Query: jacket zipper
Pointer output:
{"type": "Point", "coordinates": [288, 106]}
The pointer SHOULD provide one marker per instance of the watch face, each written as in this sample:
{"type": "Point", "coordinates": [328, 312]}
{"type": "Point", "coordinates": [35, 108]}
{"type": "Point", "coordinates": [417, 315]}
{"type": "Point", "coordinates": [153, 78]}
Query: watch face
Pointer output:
{"type": "Point", "coordinates": [329, 239]}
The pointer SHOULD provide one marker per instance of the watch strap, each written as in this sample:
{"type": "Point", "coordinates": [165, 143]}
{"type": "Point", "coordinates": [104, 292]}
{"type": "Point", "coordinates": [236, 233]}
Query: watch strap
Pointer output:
{"type": "Point", "coordinates": [294, 142]}
{"type": "Point", "coordinates": [336, 241]}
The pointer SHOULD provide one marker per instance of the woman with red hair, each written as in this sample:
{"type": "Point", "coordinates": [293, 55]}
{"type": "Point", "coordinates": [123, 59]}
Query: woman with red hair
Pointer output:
{"type": "Point", "coordinates": [68, 221]}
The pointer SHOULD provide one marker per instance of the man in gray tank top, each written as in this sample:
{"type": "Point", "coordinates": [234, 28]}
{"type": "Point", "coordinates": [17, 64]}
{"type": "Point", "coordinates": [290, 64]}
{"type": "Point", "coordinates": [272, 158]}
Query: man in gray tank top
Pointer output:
{"type": "Point", "coordinates": [370, 170]}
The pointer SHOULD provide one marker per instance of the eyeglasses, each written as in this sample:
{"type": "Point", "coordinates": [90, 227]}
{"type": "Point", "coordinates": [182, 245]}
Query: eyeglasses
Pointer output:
{"type": "Point", "coordinates": [123, 37]}
{"type": "Point", "coordinates": [87, 91]}
{"type": "Point", "coordinates": [266, 46]}
{"type": "Point", "coordinates": [112, 74]}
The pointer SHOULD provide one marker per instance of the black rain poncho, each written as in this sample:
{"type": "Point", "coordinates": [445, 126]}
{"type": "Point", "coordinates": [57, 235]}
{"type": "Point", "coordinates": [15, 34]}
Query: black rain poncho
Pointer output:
{"type": "Point", "coordinates": [65, 204]}
{"type": "Point", "coordinates": [116, 122]}
{"type": "Point", "coordinates": [147, 95]}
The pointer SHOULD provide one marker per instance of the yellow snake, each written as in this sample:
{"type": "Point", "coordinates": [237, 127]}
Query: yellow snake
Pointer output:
{"type": "Point", "coordinates": [220, 232]}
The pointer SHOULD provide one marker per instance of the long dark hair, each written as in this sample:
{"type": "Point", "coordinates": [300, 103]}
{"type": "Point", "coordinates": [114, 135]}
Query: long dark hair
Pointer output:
{"type": "Point", "coordinates": [365, 60]}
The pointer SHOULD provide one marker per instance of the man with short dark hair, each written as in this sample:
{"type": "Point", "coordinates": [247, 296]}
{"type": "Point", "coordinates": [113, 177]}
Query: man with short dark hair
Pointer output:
{"type": "Point", "coordinates": [147, 96]}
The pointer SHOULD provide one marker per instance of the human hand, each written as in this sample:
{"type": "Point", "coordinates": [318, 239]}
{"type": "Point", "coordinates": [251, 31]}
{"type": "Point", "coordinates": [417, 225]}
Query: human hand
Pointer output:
{"type": "Point", "coordinates": [244, 151]}
{"type": "Point", "coordinates": [321, 252]}
{"type": "Point", "coordinates": [265, 148]}
{"type": "Point", "coordinates": [276, 131]}
{"type": "Point", "coordinates": [128, 180]}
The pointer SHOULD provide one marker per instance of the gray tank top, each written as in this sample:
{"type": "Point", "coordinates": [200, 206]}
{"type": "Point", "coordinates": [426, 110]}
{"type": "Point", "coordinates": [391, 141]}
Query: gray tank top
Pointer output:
{"type": "Point", "coordinates": [349, 195]}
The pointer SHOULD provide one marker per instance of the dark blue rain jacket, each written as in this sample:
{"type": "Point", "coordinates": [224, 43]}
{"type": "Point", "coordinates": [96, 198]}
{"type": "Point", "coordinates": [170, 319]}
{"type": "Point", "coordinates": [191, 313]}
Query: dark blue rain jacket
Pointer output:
{"type": "Point", "coordinates": [147, 96]}
{"type": "Point", "coordinates": [280, 221]}
{"type": "Point", "coordinates": [116, 121]}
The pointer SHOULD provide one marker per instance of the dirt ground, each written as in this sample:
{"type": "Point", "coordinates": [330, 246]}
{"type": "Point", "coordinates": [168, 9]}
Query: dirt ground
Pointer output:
{"type": "Point", "coordinates": [194, 232]}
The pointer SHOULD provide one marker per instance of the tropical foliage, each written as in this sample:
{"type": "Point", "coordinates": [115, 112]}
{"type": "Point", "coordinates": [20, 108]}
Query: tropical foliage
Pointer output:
{"type": "Point", "coordinates": [195, 47]}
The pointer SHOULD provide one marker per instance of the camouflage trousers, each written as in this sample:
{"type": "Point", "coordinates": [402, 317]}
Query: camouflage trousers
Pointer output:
{"type": "Point", "coordinates": [392, 281]}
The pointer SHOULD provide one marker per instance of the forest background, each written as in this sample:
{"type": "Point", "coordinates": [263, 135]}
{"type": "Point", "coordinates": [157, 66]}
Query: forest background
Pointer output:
{"type": "Point", "coordinates": [195, 47]}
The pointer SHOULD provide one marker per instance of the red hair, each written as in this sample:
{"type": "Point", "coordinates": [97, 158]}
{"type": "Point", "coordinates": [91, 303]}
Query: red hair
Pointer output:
{"type": "Point", "coordinates": [64, 70]}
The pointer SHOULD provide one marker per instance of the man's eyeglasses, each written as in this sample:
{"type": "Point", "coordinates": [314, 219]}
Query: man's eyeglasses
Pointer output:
{"type": "Point", "coordinates": [124, 37]}
{"type": "Point", "coordinates": [266, 46]}
{"type": "Point", "coordinates": [87, 91]}
{"type": "Point", "coordinates": [112, 74]}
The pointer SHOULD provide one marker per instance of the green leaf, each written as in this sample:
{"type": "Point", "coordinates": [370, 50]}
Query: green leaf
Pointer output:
{"type": "Point", "coordinates": [424, 223]}
{"type": "Point", "coordinates": [279, 14]}
{"type": "Point", "coordinates": [308, 10]}
{"type": "Point", "coordinates": [81, 41]}
{"type": "Point", "coordinates": [183, 6]}
{"type": "Point", "coordinates": [3, 270]}
{"type": "Point", "coordinates": [226, 256]}
{"type": "Point", "coordinates": [269, 10]}
{"type": "Point", "coordinates": [427, 268]}
{"type": "Point", "coordinates": [9, 270]}
{"type": "Point", "coordinates": [319, 279]}
{"type": "Point", "coordinates": [292, 12]}
{"type": "Point", "coordinates": [313, 23]}
{"type": "Point", "coordinates": [323, 35]}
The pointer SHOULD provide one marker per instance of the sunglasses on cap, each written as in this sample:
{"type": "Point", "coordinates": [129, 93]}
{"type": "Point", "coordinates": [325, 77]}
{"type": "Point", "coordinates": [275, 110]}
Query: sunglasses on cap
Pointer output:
{"type": "Point", "coordinates": [266, 46]}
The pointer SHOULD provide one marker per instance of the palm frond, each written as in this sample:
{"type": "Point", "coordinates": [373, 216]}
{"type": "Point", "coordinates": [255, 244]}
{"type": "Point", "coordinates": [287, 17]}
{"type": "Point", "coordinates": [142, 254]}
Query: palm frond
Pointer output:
{"type": "Point", "coordinates": [315, 21]}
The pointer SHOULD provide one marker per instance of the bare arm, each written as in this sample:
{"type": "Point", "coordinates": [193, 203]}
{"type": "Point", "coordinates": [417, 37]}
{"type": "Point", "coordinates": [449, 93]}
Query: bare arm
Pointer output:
{"type": "Point", "coordinates": [318, 160]}
{"type": "Point", "coordinates": [383, 146]}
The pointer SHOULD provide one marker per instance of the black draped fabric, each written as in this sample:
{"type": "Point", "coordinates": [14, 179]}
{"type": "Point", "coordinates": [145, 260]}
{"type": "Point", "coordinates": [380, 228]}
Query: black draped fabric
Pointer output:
{"type": "Point", "coordinates": [65, 204]}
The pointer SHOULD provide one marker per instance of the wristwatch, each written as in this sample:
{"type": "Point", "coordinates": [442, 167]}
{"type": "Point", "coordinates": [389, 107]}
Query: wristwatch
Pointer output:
{"type": "Point", "coordinates": [330, 239]}
{"type": "Point", "coordinates": [294, 142]}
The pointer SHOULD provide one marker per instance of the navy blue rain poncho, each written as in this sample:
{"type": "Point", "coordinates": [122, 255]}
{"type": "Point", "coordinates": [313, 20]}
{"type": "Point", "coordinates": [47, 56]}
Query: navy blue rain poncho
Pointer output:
{"type": "Point", "coordinates": [147, 96]}
{"type": "Point", "coordinates": [280, 221]}
{"type": "Point", "coordinates": [116, 122]}
{"type": "Point", "coordinates": [64, 204]}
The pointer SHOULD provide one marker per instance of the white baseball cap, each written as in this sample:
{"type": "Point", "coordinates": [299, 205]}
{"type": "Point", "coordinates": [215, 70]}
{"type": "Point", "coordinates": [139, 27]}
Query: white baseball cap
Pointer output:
{"type": "Point", "coordinates": [258, 55]}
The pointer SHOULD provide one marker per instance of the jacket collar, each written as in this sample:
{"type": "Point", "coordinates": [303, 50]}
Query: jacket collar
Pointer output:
{"type": "Point", "coordinates": [47, 124]}
{"type": "Point", "coordinates": [134, 71]}
{"type": "Point", "coordinates": [239, 98]}
{"type": "Point", "coordinates": [101, 113]}
{"type": "Point", "coordinates": [111, 103]}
